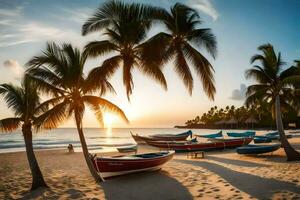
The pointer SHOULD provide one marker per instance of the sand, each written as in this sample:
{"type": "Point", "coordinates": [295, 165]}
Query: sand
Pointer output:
{"type": "Point", "coordinates": [220, 175]}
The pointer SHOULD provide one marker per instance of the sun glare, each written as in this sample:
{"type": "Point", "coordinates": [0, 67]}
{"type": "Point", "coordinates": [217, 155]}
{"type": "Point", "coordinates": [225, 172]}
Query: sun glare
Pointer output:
{"type": "Point", "coordinates": [108, 119]}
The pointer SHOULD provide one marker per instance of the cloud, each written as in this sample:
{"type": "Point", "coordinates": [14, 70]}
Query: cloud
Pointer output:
{"type": "Point", "coordinates": [15, 68]}
{"type": "Point", "coordinates": [239, 94]}
{"type": "Point", "coordinates": [78, 15]}
{"type": "Point", "coordinates": [16, 29]}
{"type": "Point", "coordinates": [205, 6]}
{"type": "Point", "coordinates": [11, 12]}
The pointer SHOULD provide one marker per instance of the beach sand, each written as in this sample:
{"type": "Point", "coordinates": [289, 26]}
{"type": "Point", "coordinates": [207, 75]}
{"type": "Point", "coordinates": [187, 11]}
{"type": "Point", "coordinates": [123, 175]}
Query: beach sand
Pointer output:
{"type": "Point", "coordinates": [220, 175]}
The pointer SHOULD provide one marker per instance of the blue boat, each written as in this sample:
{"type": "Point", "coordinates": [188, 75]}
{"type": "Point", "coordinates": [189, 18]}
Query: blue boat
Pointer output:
{"type": "Point", "coordinates": [275, 135]}
{"type": "Point", "coordinates": [257, 149]}
{"type": "Point", "coordinates": [243, 134]}
{"type": "Point", "coordinates": [213, 135]}
{"type": "Point", "coordinates": [262, 139]}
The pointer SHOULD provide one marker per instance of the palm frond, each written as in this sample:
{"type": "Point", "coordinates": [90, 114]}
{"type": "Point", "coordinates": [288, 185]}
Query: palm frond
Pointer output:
{"type": "Point", "coordinates": [97, 111]}
{"type": "Point", "coordinates": [105, 105]}
{"type": "Point", "coordinates": [46, 105]}
{"type": "Point", "coordinates": [98, 48]}
{"type": "Point", "coordinates": [53, 57]}
{"type": "Point", "coordinates": [14, 97]}
{"type": "Point", "coordinates": [204, 37]}
{"type": "Point", "coordinates": [155, 50]}
{"type": "Point", "coordinates": [183, 70]}
{"type": "Point", "coordinates": [257, 88]}
{"type": "Point", "coordinates": [254, 97]}
{"type": "Point", "coordinates": [9, 124]}
{"type": "Point", "coordinates": [258, 74]}
{"type": "Point", "coordinates": [53, 117]}
{"type": "Point", "coordinates": [155, 73]}
{"type": "Point", "coordinates": [127, 76]}
{"type": "Point", "coordinates": [46, 87]}
{"type": "Point", "coordinates": [103, 17]}
{"type": "Point", "coordinates": [204, 69]}
{"type": "Point", "coordinates": [97, 78]}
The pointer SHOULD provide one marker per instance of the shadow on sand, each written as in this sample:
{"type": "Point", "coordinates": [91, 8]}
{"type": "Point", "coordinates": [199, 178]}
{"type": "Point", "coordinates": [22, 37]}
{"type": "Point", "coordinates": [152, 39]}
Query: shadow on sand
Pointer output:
{"type": "Point", "coordinates": [151, 185]}
{"type": "Point", "coordinates": [241, 163]}
{"type": "Point", "coordinates": [258, 187]}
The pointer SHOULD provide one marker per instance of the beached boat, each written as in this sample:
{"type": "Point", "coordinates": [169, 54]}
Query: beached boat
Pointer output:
{"type": "Point", "coordinates": [183, 135]}
{"type": "Point", "coordinates": [243, 134]}
{"type": "Point", "coordinates": [120, 165]}
{"type": "Point", "coordinates": [197, 146]}
{"type": "Point", "coordinates": [257, 149]}
{"type": "Point", "coordinates": [212, 135]}
{"type": "Point", "coordinates": [275, 135]}
{"type": "Point", "coordinates": [126, 149]}
{"type": "Point", "coordinates": [262, 139]}
{"type": "Point", "coordinates": [221, 139]}
{"type": "Point", "coordinates": [165, 137]}
{"type": "Point", "coordinates": [295, 132]}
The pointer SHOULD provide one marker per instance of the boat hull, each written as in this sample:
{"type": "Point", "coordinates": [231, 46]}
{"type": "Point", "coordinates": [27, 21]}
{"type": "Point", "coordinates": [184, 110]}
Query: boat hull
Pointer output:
{"type": "Point", "coordinates": [208, 146]}
{"type": "Point", "coordinates": [213, 135]}
{"type": "Point", "coordinates": [115, 166]}
{"type": "Point", "coordinates": [257, 149]}
{"type": "Point", "coordinates": [244, 134]}
{"type": "Point", "coordinates": [142, 139]}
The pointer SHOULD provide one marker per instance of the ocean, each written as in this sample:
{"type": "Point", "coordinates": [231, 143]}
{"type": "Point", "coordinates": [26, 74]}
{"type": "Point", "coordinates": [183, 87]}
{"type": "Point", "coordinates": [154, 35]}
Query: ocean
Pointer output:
{"type": "Point", "coordinates": [98, 140]}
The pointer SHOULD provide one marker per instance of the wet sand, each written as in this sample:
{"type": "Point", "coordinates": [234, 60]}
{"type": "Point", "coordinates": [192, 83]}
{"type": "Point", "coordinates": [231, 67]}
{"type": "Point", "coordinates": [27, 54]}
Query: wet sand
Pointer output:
{"type": "Point", "coordinates": [220, 175]}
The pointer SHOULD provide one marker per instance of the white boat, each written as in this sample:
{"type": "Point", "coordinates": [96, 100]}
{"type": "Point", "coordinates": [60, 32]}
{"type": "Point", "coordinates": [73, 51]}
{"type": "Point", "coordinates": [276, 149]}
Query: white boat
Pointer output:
{"type": "Point", "coordinates": [126, 149]}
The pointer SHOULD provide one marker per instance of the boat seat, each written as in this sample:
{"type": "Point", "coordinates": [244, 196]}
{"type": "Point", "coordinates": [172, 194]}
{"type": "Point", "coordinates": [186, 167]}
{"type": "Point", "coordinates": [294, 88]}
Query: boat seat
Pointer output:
{"type": "Point", "coordinates": [195, 154]}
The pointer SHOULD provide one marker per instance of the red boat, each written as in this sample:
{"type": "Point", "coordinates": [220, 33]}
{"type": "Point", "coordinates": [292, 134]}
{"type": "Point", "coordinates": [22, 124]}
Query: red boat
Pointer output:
{"type": "Point", "coordinates": [197, 146]}
{"type": "Point", "coordinates": [120, 165]}
{"type": "Point", "coordinates": [161, 137]}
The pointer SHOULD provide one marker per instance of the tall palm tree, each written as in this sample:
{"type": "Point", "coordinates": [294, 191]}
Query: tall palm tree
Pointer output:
{"type": "Point", "coordinates": [180, 42]}
{"type": "Point", "coordinates": [58, 72]}
{"type": "Point", "coordinates": [274, 85]}
{"type": "Point", "coordinates": [24, 101]}
{"type": "Point", "coordinates": [125, 26]}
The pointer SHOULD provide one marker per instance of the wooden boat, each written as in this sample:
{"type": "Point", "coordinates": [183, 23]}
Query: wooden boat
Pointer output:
{"type": "Point", "coordinates": [257, 149]}
{"type": "Point", "coordinates": [126, 149]}
{"type": "Point", "coordinates": [275, 135]}
{"type": "Point", "coordinates": [295, 132]}
{"type": "Point", "coordinates": [213, 135]}
{"type": "Point", "coordinates": [188, 146]}
{"type": "Point", "coordinates": [221, 139]}
{"type": "Point", "coordinates": [120, 165]}
{"type": "Point", "coordinates": [243, 134]}
{"type": "Point", "coordinates": [170, 137]}
{"type": "Point", "coordinates": [262, 139]}
{"type": "Point", "coordinates": [183, 135]}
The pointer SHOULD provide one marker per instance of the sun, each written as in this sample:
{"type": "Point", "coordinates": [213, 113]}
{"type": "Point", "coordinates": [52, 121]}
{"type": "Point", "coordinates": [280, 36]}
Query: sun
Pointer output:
{"type": "Point", "coordinates": [108, 119]}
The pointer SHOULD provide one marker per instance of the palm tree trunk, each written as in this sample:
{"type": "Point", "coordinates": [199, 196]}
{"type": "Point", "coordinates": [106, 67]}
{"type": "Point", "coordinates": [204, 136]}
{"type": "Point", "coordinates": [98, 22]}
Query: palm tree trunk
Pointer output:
{"type": "Point", "coordinates": [291, 153]}
{"type": "Point", "coordinates": [37, 176]}
{"type": "Point", "coordinates": [85, 149]}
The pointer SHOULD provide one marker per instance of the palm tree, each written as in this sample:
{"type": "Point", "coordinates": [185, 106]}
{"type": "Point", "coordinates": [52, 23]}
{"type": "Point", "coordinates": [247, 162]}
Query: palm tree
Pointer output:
{"type": "Point", "coordinates": [125, 26]}
{"type": "Point", "coordinates": [25, 103]}
{"type": "Point", "coordinates": [179, 43]}
{"type": "Point", "coordinates": [274, 85]}
{"type": "Point", "coordinates": [58, 72]}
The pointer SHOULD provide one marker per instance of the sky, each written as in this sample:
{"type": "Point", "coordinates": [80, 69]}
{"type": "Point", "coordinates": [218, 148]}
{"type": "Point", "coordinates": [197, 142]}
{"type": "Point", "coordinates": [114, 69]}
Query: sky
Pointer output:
{"type": "Point", "coordinates": [240, 27]}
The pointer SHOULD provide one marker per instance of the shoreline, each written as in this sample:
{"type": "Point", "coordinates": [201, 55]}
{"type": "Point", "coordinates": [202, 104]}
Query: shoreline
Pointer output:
{"type": "Point", "coordinates": [221, 174]}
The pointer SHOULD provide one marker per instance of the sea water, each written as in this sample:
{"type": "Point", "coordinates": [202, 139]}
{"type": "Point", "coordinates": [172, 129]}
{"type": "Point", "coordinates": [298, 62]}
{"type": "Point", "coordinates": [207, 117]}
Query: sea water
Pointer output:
{"type": "Point", "coordinates": [98, 140]}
